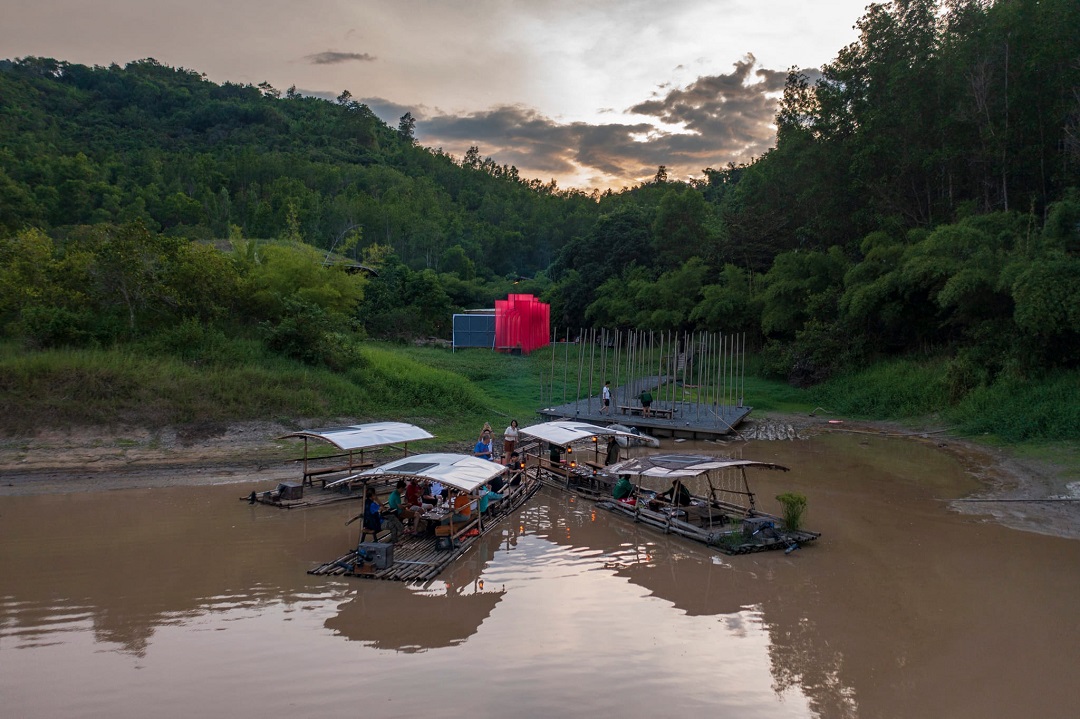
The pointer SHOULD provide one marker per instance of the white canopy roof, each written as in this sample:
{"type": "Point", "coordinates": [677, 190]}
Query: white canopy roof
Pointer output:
{"type": "Point", "coordinates": [674, 466]}
{"type": "Point", "coordinates": [457, 470]}
{"type": "Point", "coordinates": [564, 432]}
{"type": "Point", "coordinates": [366, 436]}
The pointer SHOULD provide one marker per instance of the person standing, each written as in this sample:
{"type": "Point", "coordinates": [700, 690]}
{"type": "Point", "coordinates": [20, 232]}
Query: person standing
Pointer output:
{"type": "Point", "coordinates": [646, 403]}
{"type": "Point", "coordinates": [483, 448]}
{"type": "Point", "coordinates": [510, 439]}
{"type": "Point", "coordinates": [605, 395]}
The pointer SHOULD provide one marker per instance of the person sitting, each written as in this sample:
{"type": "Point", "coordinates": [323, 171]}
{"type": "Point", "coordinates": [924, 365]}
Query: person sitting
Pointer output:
{"type": "Point", "coordinates": [414, 496]}
{"type": "Point", "coordinates": [517, 469]}
{"type": "Point", "coordinates": [678, 495]}
{"type": "Point", "coordinates": [428, 496]}
{"type": "Point", "coordinates": [463, 506]}
{"type": "Point", "coordinates": [372, 516]}
{"type": "Point", "coordinates": [623, 488]}
{"type": "Point", "coordinates": [397, 513]}
{"type": "Point", "coordinates": [489, 496]}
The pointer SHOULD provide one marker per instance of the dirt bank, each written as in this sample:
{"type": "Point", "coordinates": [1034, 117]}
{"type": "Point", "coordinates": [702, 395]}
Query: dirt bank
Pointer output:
{"type": "Point", "coordinates": [98, 459]}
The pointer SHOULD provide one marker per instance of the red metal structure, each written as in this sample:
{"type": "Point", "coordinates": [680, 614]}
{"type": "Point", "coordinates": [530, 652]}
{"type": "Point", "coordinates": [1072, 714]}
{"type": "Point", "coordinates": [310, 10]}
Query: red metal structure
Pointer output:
{"type": "Point", "coordinates": [523, 323]}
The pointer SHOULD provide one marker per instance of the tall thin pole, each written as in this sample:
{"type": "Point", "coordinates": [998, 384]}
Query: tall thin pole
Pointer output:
{"type": "Point", "coordinates": [719, 369]}
{"type": "Point", "coordinates": [742, 365]}
{"type": "Point", "coordinates": [580, 368]}
{"type": "Point", "coordinates": [592, 360]}
{"type": "Point", "coordinates": [565, 363]}
{"type": "Point", "coordinates": [603, 359]}
{"type": "Point", "coordinates": [551, 391]}
{"type": "Point", "coordinates": [731, 373]}
{"type": "Point", "coordinates": [661, 377]}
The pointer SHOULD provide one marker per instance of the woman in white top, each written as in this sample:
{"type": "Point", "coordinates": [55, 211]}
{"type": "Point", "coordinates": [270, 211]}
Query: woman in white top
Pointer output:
{"type": "Point", "coordinates": [510, 438]}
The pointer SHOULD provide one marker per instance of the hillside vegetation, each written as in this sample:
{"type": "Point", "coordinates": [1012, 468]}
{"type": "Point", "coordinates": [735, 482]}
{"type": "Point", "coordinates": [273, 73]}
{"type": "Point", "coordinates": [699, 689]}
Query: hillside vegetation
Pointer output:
{"type": "Point", "coordinates": [911, 246]}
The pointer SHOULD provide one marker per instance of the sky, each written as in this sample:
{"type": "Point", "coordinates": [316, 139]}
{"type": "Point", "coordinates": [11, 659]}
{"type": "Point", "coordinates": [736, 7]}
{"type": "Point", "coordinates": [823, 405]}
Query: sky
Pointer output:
{"type": "Point", "coordinates": [594, 95]}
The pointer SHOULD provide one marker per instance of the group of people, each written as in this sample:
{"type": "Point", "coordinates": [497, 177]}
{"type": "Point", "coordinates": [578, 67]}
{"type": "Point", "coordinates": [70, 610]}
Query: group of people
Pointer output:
{"type": "Point", "coordinates": [410, 501]}
{"type": "Point", "coordinates": [485, 446]}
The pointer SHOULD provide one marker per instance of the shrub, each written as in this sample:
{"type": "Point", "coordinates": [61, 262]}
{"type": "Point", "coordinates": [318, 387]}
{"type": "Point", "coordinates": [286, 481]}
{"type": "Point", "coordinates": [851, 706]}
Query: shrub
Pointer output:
{"type": "Point", "coordinates": [793, 505]}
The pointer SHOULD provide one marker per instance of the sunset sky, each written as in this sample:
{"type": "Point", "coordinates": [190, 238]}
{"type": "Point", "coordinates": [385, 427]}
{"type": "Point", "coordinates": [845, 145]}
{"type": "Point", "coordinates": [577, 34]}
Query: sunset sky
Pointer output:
{"type": "Point", "coordinates": [591, 94]}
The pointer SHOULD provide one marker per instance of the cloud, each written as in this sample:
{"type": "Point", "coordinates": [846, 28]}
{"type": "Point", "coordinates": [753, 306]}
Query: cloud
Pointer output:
{"type": "Point", "coordinates": [710, 122]}
{"type": "Point", "coordinates": [333, 58]}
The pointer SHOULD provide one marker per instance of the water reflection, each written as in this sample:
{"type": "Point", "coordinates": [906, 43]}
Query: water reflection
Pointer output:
{"type": "Point", "coordinates": [441, 613]}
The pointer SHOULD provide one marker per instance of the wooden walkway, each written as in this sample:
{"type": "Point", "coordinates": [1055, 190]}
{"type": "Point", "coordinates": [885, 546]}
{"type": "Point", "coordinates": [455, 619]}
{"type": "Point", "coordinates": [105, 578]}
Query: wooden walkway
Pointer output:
{"type": "Point", "coordinates": [690, 420]}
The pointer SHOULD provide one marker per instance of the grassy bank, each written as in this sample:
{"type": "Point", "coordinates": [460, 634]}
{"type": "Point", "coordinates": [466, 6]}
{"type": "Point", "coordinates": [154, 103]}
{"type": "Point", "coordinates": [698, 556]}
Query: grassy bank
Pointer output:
{"type": "Point", "coordinates": [453, 393]}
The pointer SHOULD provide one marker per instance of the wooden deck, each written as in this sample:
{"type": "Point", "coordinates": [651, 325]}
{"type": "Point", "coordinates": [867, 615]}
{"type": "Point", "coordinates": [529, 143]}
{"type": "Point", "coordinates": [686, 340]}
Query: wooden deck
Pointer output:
{"type": "Point", "coordinates": [667, 418]}
{"type": "Point", "coordinates": [291, 495]}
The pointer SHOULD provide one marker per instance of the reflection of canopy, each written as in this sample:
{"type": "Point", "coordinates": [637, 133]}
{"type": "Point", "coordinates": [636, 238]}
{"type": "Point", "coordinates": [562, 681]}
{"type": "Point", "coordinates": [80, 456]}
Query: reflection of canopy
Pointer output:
{"type": "Point", "coordinates": [457, 470]}
{"type": "Point", "coordinates": [366, 436]}
{"type": "Point", "coordinates": [565, 432]}
{"type": "Point", "coordinates": [673, 466]}
{"type": "Point", "coordinates": [411, 618]}
{"type": "Point", "coordinates": [413, 621]}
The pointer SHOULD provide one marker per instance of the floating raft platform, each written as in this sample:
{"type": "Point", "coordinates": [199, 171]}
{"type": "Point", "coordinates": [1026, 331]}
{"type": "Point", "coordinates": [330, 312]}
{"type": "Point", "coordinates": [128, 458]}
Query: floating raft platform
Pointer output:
{"type": "Point", "coordinates": [419, 558]}
{"type": "Point", "coordinates": [335, 472]}
{"type": "Point", "coordinates": [688, 420]}
{"type": "Point", "coordinates": [726, 528]}
{"type": "Point", "coordinates": [293, 495]}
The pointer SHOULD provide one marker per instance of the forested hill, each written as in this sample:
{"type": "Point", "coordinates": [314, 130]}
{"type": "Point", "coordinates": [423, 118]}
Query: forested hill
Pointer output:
{"type": "Point", "coordinates": [921, 199]}
{"type": "Point", "coordinates": [191, 158]}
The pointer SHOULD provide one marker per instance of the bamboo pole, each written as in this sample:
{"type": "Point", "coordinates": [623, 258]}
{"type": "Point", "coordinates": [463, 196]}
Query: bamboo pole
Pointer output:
{"type": "Point", "coordinates": [551, 390]}
{"type": "Point", "coordinates": [718, 362]}
{"type": "Point", "coordinates": [592, 360]}
{"type": "Point", "coordinates": [580, 367]}
{"type": "Point", "coordinates": [566, 363]}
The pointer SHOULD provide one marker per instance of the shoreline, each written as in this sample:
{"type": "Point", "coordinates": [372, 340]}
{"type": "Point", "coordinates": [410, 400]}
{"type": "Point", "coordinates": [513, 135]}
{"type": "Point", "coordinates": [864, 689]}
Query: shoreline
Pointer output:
{"type": "Point", "coordinates": [105, 459]}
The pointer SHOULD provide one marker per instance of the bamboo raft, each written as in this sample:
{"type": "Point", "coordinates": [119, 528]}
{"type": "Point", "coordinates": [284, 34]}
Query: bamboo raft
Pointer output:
{"type": "Point", "coordinates": [709, 518]}
{"type": "Point", "coordinates": [728, 527]}
{"type": "Point", "coordinates": [288, 495]}
{"type": "Point", "coordinates": [335, 472]}
{"type": "Point", "coordinates": [418, 558]}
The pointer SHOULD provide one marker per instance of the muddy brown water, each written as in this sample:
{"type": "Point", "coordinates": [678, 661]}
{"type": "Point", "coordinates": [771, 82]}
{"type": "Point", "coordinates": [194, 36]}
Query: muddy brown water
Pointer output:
{"type": "Point", "coordinates": [186, 602]}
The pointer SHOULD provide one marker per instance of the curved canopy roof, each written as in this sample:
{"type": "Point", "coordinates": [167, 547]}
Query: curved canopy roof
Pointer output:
{"type": "Point", "coordinates": [366, 436]}
{"type": "Point", "coordinates": [674, 466]}
{"type": "Point", "coordinates": [457, 470]}
{"type": "Point", "coordinates": [563, 432]}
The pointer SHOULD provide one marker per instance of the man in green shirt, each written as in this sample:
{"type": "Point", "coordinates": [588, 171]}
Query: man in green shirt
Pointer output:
{"type": "Point", "coordinates": [398, 514]}
{"type": "Point", "coordinates": [646, 403]}
{"type": "Point", "coordinates": [623, 489]}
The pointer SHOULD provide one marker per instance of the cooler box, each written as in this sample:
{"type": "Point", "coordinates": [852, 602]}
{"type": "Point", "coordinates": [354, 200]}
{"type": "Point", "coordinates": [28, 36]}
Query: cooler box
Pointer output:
{"type": "Point", "coordinates": [288, 490]}
{"type": "Point", "coordinates": [379, 553]}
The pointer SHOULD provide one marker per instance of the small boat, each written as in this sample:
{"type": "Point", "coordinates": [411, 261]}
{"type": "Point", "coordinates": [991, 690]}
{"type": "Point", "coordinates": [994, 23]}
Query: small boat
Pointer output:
{"type": "Point", "coordinates": [336, 472]}
{"type": "Point", "coordinates": [710, 502]}
{"type": "Point", "coordinates": [640, 439]}
{"type": "Point", "coordinates": [567, 454]}
{"type": "Point", "coordinates": [420, 555]}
